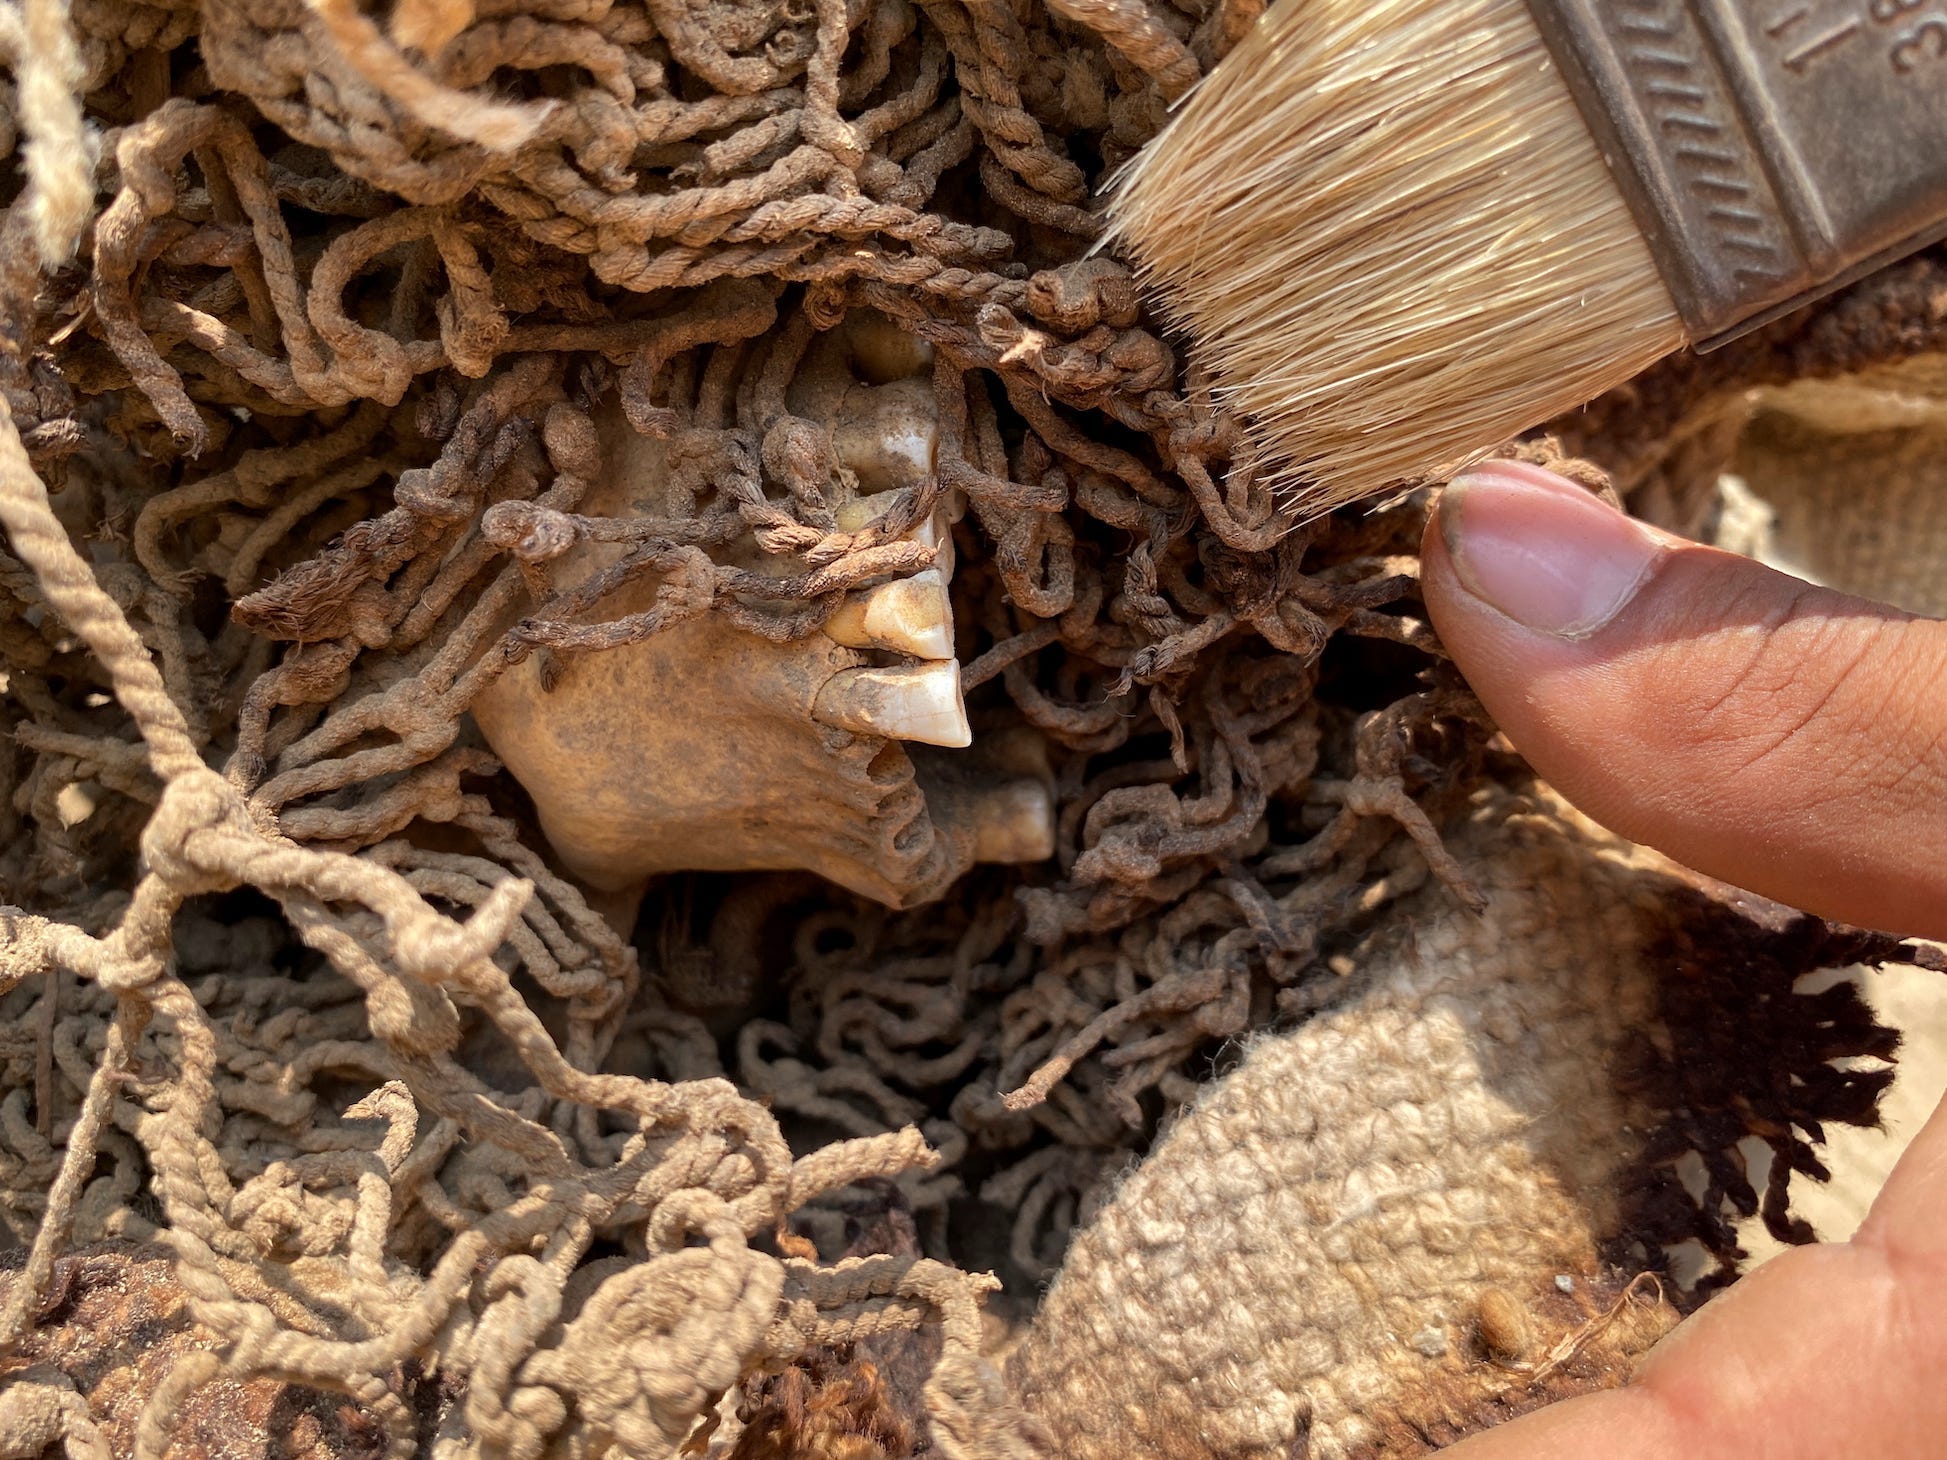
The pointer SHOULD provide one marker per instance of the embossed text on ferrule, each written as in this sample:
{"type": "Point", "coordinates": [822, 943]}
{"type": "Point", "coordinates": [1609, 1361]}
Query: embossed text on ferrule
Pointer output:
{"type": "Point", "coordinates": [1771, 149]}
{"type": "Point", "coordinates": [1905, 35]}
{"type": "Point", "coordinates": [1802, 34]}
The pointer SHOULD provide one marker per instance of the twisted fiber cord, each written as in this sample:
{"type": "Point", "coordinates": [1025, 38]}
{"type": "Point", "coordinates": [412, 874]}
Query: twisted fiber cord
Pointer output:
{"type": "Point", "coordinates": [59, 154]}
{"type": "Point", "coordinates": [564, 193]}
{"type": "Point", "coordinates": [331, 359]}
{"type": "Point", "coordinates": [42, 544]}
{"type": "Point", "coordinates": [971, 1416]}
{"type": "Point", "coordinates": [295, 1356]}
{"type": "Point", "coordinates": [199, 827]}
{"type": "Point", "coordinates": [17, 1314]}
{"type": "Point", "coordinates": [1133, 28]}
{"type": "Point", "coordinates": [497, 127]}
{"type": "Point", "coordinates": [40, 1409]}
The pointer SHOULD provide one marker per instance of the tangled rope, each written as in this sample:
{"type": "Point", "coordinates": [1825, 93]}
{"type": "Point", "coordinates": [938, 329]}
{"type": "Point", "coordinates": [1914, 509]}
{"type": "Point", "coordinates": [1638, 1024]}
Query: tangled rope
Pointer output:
{"type": "Point", "coordinates": [286, 456]}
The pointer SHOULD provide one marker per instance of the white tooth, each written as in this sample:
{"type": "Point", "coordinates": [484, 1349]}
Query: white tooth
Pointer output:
{"type": "Point", "coordinates": [1014, 823]}
{"type": "Point", "coordinates": [934, 533]}
{"type": "Point", "coordinates": [76, 802]}
{"type": "Point", "coordinates": [861, 512]}
{"type": "Point", "coordinates": [912, 702]}
{"type": "Point", "coordinates": [909, 450]}
{"type": "Point", "coordinates": [909, 615]}
{"type": "Point", "coordinates": [886, 434]}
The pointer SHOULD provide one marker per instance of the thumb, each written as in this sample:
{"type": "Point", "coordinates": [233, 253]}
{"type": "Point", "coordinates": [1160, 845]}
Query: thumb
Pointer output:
{"type": "Point", "coordinates": [1785, 738]}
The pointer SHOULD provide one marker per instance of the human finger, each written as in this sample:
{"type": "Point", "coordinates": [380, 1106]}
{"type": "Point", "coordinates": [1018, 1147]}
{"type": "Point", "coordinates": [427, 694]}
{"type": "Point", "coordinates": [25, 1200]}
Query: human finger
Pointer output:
{"type": "Point", "coordinates": [1786, 738]}
{"type": "Point", "coordinates": [1826, 1353]}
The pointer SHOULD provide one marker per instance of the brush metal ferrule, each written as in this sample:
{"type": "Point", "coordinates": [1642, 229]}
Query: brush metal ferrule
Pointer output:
{"type": "Point", "coordinates": [1771, 150]}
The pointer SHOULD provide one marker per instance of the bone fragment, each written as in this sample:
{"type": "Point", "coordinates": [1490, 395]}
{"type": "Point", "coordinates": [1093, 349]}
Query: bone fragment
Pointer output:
{"type": "Point", "coordinates": [911, 702]}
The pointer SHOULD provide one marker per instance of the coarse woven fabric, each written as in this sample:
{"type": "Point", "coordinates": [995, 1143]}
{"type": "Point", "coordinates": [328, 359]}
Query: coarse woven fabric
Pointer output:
{"type": "Point", "coordinates": [1426, 1210]}
{"type": "Point", "coordinates": [1851, 479]}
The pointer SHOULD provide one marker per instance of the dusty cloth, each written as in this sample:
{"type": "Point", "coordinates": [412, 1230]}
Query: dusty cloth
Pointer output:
{"type": "Point", "coordinates": [1845, 483]}
{"type": "Point", "coordinates": [1438, 1203]}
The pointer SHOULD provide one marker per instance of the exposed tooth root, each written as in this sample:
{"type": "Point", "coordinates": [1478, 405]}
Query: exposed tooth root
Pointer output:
{"type": "Point", "coordinates": [1014, 823]}
{"type": "Point", "coordinates": [914, 702]}
{"type": "Point", "coordinates": [910, 616]}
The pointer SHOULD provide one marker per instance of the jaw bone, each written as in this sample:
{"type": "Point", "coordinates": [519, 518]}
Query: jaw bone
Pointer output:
{"type": "Point", "coordinates": [709, 748]}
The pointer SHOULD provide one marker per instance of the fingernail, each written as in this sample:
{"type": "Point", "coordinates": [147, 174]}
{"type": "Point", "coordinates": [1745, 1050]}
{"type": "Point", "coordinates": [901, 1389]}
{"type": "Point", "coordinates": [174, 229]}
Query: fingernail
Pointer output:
{"type": "Point", "coordinates": [1543, 551]}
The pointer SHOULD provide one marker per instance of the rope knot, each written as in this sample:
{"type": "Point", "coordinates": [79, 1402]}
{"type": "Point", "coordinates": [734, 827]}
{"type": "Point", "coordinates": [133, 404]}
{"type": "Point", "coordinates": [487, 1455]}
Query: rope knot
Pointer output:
{"type": "Point", "coordinates": [199, 816]}
{"type": "Point", "coordinates": [658, 1342]}
{"type": "Point", "coordinates": [530, 532]}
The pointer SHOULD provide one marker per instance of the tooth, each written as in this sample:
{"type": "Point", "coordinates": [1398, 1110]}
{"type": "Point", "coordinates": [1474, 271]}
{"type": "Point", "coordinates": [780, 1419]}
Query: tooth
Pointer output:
{"type": "Point", "coordinates": [1014, 823]}
{"type": "Point", "coordinates": [861, 512]}
{"type": "Point", "coordinates": [934, 533]}
{"type": "Point", "coordinates": [913, 702]}
{"type": "Point", "coordinates": [907, 452]}
{"type": "Point", "coordinates": [76, 802]}
{"type": "Point", "coordinates": [886, 434]}
{"type": "Point", "coordinates": [909, 615]}
{"type": "Point", "coordinates": [882, 352]}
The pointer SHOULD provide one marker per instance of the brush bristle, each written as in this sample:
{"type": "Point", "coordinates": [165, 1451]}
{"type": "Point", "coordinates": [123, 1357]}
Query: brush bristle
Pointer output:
{"type": "Point", "coordinates": [1392, 240]}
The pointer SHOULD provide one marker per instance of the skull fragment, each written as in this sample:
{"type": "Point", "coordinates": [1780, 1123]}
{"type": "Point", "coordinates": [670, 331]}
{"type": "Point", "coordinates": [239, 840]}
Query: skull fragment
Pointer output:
{"type": "Point", "coordinates": [706, 746]}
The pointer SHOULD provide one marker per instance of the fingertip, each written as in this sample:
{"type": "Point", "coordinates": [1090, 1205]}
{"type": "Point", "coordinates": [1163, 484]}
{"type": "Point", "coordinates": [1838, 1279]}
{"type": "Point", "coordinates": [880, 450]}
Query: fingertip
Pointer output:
{"type": "Point", "coordinates": [1779, 736]}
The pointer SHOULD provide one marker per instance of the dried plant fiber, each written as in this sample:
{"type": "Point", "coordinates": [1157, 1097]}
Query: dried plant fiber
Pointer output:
{"type": "Point", "coordinates": [1387, 233]}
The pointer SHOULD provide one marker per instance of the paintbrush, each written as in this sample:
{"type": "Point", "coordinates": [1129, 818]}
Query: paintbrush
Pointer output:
{"type": "Point", "coordinates": [1400, 232]}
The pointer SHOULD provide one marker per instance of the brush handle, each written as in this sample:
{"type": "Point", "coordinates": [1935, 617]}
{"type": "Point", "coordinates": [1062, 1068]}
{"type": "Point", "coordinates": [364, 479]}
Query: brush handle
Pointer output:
{"type": "Point", "coordinates": [1772, 150]}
